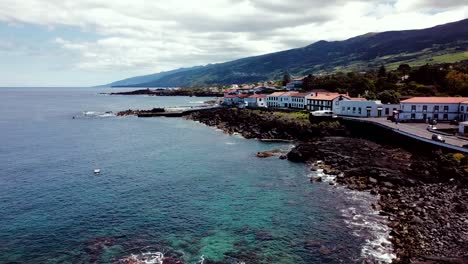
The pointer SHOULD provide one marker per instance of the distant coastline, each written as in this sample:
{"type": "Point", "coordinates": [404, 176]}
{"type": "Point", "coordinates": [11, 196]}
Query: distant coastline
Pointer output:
{"type": "Point", "coordinates": [170, 92]}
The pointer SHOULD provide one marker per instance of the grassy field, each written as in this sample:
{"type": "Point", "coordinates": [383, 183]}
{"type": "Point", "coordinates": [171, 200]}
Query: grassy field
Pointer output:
{"type": "Point", "coordinates": [301, 117]}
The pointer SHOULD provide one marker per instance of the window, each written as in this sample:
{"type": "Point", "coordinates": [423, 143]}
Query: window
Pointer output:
{"type": "Point", "coordinates": [413, 108]}
{"type": "Point", "coordinates": [413, 116]}
{"type": "Point", "coordinates": [354, 110]}
{"type": "Point", "coordinates": [462, 108]}
{"type": "Point", "coordinates": [436, 116]}
{"type": "Point", "coordinates": [445, 116]}
{"type": "Point", "coordinates": [387, 111]}
{"type": "Point", "coordinates": [424, 107]}
{"type": "Point", "coordinates": [436, 108]}
{"type": "Point", "coordinates": [359, 110]}
{"type": "Point", "coordinates": [445, 107]}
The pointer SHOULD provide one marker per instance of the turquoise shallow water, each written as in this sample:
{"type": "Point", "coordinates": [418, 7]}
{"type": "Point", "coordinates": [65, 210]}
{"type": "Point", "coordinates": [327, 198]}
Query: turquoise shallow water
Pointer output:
{"type": "Point", "coordinates": [166, 185]}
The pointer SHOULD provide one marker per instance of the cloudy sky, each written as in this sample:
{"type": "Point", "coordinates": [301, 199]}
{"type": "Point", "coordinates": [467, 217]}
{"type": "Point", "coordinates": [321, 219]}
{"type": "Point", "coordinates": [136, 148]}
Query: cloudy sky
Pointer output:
{"type": "Point", "coordinates": [91, 42]}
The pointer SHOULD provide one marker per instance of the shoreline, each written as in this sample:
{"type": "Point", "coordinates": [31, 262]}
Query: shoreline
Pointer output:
{"type": "Point", "coordinates": [402, 179]}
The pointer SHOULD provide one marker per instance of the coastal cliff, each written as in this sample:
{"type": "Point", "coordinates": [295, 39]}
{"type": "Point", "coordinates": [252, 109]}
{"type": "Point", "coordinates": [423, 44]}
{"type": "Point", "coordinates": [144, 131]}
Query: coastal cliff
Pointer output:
{"type": "Point", "coordinates": [422, 192]}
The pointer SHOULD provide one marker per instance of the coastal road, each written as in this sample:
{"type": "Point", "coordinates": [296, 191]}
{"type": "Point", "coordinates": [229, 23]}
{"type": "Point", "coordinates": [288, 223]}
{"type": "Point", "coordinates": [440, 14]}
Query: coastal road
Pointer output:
{"type": "Point", "coordinates": [418, 130]}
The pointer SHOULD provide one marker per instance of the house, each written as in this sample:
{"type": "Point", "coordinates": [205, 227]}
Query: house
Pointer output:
{"type": "Point", "coordinates": [298, 100]}
{"type": "Point", "coordinates": [430, 108]}
{"type": "Point", "coordinates": [230, 99]}
{"type": "Point", "coordinates": [360, 107]}
{"type": "Point", "coordinates": [274, 100]}
{"type": "Point", "coordinates": [295, 84]}
{"type": "Point", "coordinates": [324, 101]}
{"type": "Point", "coordinates": [256, 100]}
{"type": "Point", "coordinates": [287, 100]}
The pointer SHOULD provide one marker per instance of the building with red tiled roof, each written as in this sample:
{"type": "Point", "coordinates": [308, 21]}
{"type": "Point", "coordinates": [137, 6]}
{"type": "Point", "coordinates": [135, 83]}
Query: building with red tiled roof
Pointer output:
{"type": "Point", "coordinates": [324, 101]}
{"type": "Point", "coordinates": [290, 99]}
{"type": "Point", "coordinates": [256, 100]}
{"type": "Point", "coordinates": [434, 108]}
{"type": "Point", "coordinates": [435, 100]}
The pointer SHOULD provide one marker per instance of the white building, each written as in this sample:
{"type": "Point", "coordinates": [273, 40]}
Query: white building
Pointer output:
{"type": "Point", "coordinates": [298, 100]}
{"type": "Point", "coordinates": [324, 101]}
{"type": "Point", "coordinates": [274, 100]}
{"type": "Point", "coordinates": [463, 129]}
{"type": "Point", "coordinates": [438, 108]}
{"type": "Point", "coordinates": [358, 107]}
{"type": "Point", "coordinates": [256, 100]}
{"type": "Point", "coordinates": [230, 99]}
{"type": "Point", "coordinates": [295, 84]}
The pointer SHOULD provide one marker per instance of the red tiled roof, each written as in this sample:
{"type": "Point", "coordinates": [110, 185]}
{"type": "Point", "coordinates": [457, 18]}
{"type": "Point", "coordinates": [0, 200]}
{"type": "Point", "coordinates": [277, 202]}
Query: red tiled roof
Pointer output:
{"type": "Point", "coordinates": [359, 99]}
{"type": "Point", "coordinates": [243, 95]}
{"type": "Point", "coordinates": [300, 95]}
{"type": "Point", "coordinates": [277, 94]}
{"type": "Point", "coordinates": [230, 96]}
{"type": "Point", "coordinates": [327, 96]}
{"type": "Point", "coordinates": [435, 100]}
{"type": "Point", "coordinates": [258, 96]}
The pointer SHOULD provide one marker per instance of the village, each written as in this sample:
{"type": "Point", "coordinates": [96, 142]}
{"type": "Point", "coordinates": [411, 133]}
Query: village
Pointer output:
{"type": "Point", "coordinates": [442, 119]}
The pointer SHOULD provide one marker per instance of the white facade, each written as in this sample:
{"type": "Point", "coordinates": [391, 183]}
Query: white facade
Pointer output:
{"type": "Point", "coordinates": [256, 101]}
{"type": "Point", "coordinates": [361, 108]}
{"type": "Point", "coordinates": [275, 100]}
{"type": "Point", "coordinates": [322, 101]}
{"type": "Point", "coordinates": [463, 129]}
{"type": "Point", "coordinates": [434, 108]}
{"type": "Point", "coordinates": [298, 101]}
{"type": "Point", "coordinates": [230, 100]}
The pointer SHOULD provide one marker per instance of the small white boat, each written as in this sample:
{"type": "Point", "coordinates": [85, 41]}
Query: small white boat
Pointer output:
{"type": "Point", "coordinates": [97, 171]}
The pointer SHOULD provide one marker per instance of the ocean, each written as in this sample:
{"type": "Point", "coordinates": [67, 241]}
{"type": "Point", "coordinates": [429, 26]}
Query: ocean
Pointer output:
{"type": "Point", "coordinates": [166, 185]}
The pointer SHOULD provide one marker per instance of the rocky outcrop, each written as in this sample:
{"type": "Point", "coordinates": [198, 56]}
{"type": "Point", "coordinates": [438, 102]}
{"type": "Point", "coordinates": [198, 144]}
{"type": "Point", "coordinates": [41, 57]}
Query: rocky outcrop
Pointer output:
{"type": "Point", "coordinates": [138, 112]}
{"type": "Point", "coordinates": [271, 153]}
{"type": "Point", "coordinates": [262, 124]}
{"type": "Point", "coordinates": [424, 196]}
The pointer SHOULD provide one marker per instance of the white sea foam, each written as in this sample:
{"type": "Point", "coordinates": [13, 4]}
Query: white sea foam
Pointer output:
{"type": "Point", "coordinates": [367, 223]}
{"type": "Point", "coordinates": [144, 258]}
{"type": "Point", "coordinates": [364, 221]}
{"type": "Point", "coordinates": [97, 114]}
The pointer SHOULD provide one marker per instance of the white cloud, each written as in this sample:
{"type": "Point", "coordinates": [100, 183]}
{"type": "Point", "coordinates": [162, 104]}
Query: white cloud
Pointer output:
{"type": "Point", "coordinates": [161, 35]}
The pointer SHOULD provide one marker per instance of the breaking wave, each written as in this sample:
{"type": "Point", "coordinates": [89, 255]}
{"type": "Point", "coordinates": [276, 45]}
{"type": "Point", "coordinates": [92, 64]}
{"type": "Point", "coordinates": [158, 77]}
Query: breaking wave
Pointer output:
{"type": "Point", "coordinates": [91, 114]}
{"type": "Point", "coordinates": [364, 221]}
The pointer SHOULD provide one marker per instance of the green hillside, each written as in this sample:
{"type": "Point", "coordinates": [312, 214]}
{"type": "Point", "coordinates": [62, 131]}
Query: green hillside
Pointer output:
{"type": "Point", "coordinates": [445, 43]}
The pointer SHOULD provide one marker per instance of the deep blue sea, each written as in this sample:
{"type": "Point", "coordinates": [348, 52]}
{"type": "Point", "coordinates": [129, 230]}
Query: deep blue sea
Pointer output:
{"type": "Point", "coordinates": [166, 185]}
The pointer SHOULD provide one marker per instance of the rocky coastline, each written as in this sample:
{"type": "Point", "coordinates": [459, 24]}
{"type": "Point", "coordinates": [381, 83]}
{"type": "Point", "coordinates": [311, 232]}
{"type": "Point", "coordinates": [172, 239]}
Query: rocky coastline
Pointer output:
{"type": "Point", "coordinates": [424, 195]}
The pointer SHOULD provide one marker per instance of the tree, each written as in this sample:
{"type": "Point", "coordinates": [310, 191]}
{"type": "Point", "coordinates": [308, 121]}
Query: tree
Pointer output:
{"type": "Point", "coordinates": [382, 72]}
{"type": "Point", "coordinates": [389, 97]}
{"type": "Point", "coordinates": [308, 82]}
{"type": "Point", "coordinates": [404, 69]}
{"type": "Point", "coordinates": [286, 78]}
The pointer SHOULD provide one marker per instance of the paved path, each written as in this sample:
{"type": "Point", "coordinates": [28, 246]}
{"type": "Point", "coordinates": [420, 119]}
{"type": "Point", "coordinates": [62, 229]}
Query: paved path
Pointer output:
{"type": "Point", "coordinates": [418, 131]}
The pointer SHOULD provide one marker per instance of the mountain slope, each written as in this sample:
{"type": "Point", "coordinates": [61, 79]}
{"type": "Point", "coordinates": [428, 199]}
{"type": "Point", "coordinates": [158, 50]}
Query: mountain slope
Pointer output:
{"type": "Point", "coordinates": [147, 78]}
{"type": "Point", "coordinates": [358, 53]}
